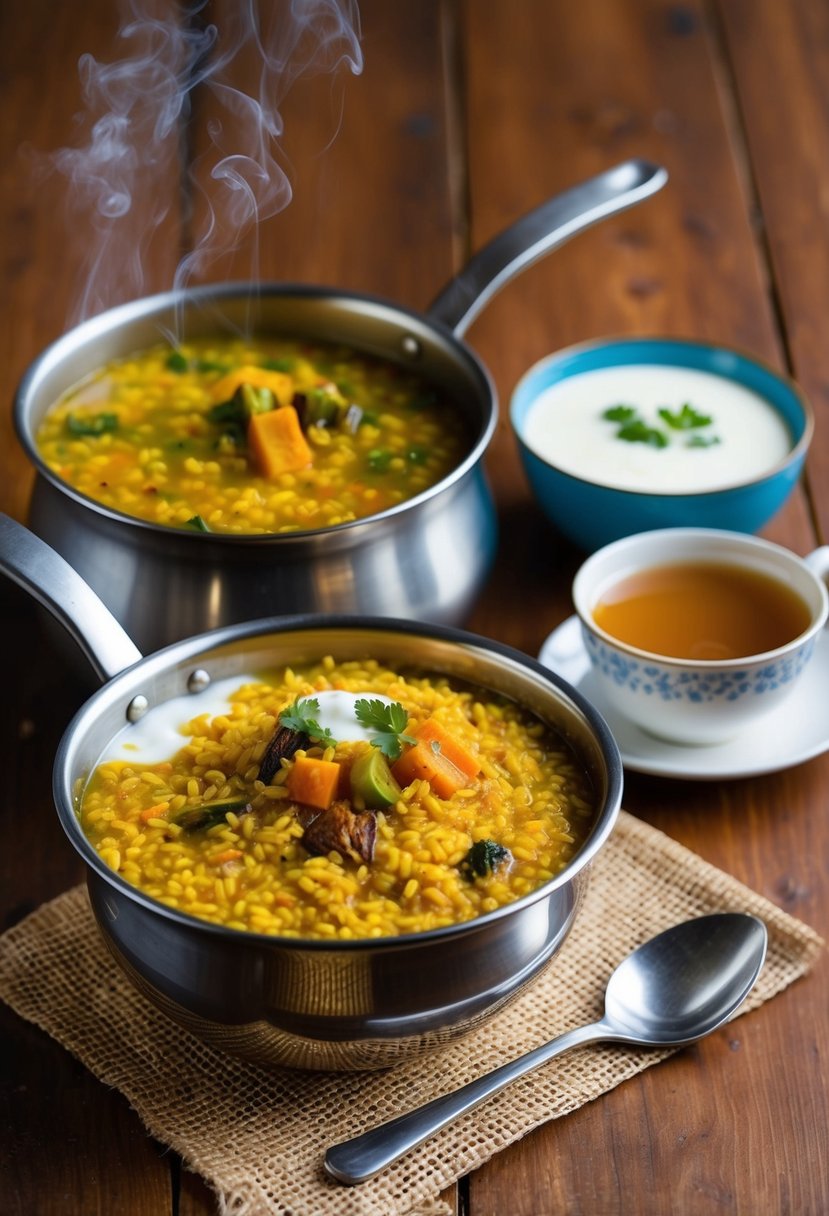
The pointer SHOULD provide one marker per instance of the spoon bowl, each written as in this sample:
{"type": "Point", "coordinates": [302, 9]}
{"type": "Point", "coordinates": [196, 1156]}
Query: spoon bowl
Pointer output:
{"type": "Point", "coordinates": [672, 990]}
{"type": "Point", "coordinates": [685, 982]}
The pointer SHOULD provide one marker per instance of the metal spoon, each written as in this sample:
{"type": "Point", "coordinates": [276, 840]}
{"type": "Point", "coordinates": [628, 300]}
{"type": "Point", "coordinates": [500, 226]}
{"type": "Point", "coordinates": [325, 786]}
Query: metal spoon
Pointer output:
{"type": "Point", "coordinates": [677, 987]}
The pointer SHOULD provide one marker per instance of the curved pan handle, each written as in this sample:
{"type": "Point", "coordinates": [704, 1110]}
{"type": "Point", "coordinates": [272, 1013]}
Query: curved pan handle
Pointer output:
{"type": "Point", "coordinates": [539, 232]}
{"type": "Point", "coordinates": [30, 563]}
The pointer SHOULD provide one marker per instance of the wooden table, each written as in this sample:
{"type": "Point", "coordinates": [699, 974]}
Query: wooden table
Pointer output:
{"type": "Point", "coordinates": [465, 116]}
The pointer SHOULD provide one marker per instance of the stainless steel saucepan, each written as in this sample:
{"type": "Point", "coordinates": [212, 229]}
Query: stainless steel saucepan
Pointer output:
{"type": "Point", "coordinates": [313, 1004]}
{"type": "Point", "coordinates": [164, 584]}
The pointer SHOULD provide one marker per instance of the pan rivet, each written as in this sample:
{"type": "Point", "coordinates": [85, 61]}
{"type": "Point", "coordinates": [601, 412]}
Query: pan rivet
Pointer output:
{"type": "Point", "coordinates": [199, 680]}
{"type": "Point", "coordinates": [137, 707]}
{"type": "Point", "coordinates": [411, 347]}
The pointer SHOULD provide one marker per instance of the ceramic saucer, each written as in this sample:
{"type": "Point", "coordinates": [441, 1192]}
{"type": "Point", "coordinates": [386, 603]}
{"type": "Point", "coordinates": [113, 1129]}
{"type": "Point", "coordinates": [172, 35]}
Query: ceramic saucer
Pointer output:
{"type": "Point", "coordinates": [795, 732]}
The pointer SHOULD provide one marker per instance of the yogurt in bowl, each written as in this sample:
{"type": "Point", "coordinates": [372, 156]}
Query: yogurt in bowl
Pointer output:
{"type": "Point", "coordinates": [621, 436]}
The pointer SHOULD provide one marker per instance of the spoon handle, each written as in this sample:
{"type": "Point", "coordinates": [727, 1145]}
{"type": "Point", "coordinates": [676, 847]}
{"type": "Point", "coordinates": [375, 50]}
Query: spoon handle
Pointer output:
{"type": "Point", "coordinates": [361, 1158]}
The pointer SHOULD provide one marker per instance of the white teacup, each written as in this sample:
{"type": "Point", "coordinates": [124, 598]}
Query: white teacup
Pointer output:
{"type": "Point", "coordinates": [699, 700]}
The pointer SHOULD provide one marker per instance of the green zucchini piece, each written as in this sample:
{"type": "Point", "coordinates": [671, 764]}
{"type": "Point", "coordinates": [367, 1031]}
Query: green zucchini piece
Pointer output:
{"type": "Point", "coordinates": [251, 401]}
{"type": "Point", "coordinates": [372, 781]}
{"type": "Point", "coordinates": [199, 818]}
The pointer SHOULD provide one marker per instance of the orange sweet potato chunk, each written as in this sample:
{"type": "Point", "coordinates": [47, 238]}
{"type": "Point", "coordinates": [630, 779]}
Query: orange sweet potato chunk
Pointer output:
{"type": "Point", "coordinates": [277, 443]}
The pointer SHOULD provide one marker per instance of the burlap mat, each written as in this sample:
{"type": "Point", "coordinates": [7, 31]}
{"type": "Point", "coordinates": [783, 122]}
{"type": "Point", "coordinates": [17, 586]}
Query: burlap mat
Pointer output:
{"type": "Point", "coordinates": [258, 1138]}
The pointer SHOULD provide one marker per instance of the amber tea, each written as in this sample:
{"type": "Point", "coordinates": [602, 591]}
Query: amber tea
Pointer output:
{"type": "Point", "coordinates": [699, 610]}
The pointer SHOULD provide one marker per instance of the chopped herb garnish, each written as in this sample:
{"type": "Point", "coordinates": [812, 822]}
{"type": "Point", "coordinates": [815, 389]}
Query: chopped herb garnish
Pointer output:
{"type": "Point", "coordinates": [300, 716]}
{"type": "Point", "coordinates": [638, 431]}
{"type": "Point", "coordinates": [633, 428]}
{"type": "Point", "coordinates": [702, 441]}
{"type": "Point", "coordinates": [484, 858]}
{"type": "Point", "coordinates": [197, 524]}
{"type": "Point", "coordinates": [684, 419]}
{"type": "Point", "coordinates": [417, 454]}
{"type": "Point", "coordinates": [388, 721]}
{"type": "Point", "coordinates": [379, 460]}
{"type": "Point", "coordinates": [619, 413]}
{"type": "Point", "coordinates": [96, 424]}
{"type": "Point", "coordinates": [177, 362]}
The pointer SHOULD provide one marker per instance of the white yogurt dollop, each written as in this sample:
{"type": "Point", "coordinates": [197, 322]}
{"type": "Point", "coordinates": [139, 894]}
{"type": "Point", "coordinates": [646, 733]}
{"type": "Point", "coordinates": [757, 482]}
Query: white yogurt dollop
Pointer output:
{"type": "Point", "coordinates": [158, 735]}
{"type": "Point", "coordinates": [565, 426]}
{"type": "Point", "coordinates": [337, 712]}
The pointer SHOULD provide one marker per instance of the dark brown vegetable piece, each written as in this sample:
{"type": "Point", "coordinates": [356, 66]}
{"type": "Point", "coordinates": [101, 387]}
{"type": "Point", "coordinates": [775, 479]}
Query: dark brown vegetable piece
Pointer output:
{"type": "Point", "coordinates": [284, 742]}
{"type": "Point", "coordinates": [320, 406]}
{"type": "Point", "coordinates": [340, 830]}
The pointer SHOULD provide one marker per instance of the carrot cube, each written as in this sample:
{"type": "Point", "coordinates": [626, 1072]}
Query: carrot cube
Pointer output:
{"type": "Point", "coordinates": [314, 782]}
{"type": "Point", "coordinates": [422, 762]}
{"type": "Point", "coordinates": [440, 740]}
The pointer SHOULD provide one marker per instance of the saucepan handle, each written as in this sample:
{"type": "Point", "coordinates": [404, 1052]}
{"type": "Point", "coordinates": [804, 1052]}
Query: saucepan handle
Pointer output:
{"type": "Point", "coordinates": [539, 232]}
{"type": "Point", "coordinates": [33, 565]}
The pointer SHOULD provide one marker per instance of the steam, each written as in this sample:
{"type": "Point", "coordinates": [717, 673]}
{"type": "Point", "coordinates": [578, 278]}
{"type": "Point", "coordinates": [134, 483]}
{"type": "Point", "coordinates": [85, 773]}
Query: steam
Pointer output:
{"type": "Point", "coordinates": [140, 124]}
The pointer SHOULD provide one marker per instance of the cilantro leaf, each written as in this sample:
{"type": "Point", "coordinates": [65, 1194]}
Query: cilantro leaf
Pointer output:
{"type": "Point", "coordinates": [702, 441]}
{"type": "Point", "coordinates": [637, 431]}
{"type": "Point", "coordinates": [684, 419]}
{"type": "Point", "coordinates": [389, 723]}
{"type": "Point", "coordinates": [619, 413]}
{"type": "Point", "coordinates": [299, 717]}
{"type": "Point", "coordinates": [633, 428]}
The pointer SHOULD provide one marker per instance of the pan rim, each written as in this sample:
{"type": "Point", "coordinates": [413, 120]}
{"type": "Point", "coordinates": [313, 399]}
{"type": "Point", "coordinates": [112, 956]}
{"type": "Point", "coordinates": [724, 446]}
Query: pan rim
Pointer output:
{"type": "Point", "coordinates": [193, 648]}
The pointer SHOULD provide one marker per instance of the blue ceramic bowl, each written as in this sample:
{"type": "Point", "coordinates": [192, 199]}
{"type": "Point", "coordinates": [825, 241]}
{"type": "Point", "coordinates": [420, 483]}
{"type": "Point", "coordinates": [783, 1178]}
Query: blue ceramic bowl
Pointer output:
{"type": "Point", "coordinates": [591, 514]}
